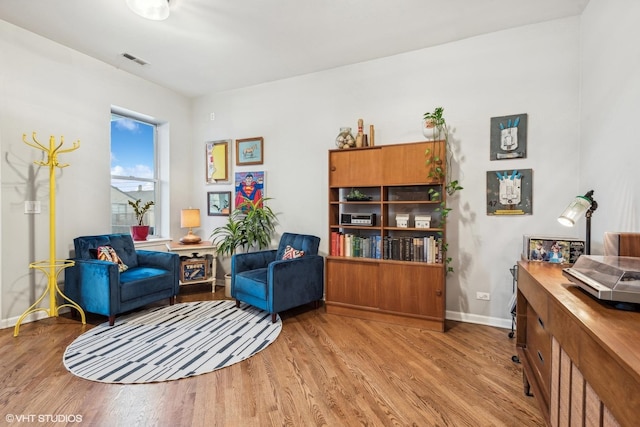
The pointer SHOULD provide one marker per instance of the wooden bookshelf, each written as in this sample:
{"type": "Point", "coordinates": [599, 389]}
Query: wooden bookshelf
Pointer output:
{"type": "Point", "coordinates": [365, 280]}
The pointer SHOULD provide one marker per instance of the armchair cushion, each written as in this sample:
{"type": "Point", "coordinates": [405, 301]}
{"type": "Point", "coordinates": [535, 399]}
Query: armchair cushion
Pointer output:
{"type": "Point", "coordinates": [107, 253]}
{"type": "Point", "coordinates": [291, 253]}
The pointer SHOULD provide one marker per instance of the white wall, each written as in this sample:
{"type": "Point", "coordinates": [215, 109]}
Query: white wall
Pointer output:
{"type": "Point", "coordinates": [610, 66]}
{"type": "Point", "coordinates": [54, 91]}
{"type": "Point", "coordinates": [563, 74]}
{"type": "Point", "coordinates": [533, 70]}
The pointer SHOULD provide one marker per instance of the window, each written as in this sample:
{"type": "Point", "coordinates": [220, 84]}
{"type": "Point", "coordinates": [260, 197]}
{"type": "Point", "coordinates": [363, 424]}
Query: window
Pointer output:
{"type": "Point", "coordinates": [133, 171]}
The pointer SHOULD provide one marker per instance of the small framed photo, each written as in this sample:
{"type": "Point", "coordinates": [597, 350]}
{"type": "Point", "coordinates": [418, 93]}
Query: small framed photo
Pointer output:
{"type": "Point", "coordinates": [217, 161]}
{"type": "Point", "coordinates": [218, 203]}
{"type": "Point", "coordinates": [194, 270]}
{"type": "Point", "coordinates": [249, 151]}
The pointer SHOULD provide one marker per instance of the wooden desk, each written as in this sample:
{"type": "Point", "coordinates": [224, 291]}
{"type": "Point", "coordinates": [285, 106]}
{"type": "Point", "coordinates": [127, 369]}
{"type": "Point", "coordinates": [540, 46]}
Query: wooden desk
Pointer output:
{"type": "Point", "coordinates": [200, 249]}
{"type": "Point", "coordinates": [580, 357]}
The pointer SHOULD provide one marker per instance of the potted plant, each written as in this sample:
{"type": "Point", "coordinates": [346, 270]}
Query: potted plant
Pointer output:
{"type": "Point", "coordinates": [250, 225]}
{"type": "Point", "coordinates": [140, 231]}
{"type": "Point", "coordinates": [435, 127]}
{"type": "Point", "coordinates": [356, 195]}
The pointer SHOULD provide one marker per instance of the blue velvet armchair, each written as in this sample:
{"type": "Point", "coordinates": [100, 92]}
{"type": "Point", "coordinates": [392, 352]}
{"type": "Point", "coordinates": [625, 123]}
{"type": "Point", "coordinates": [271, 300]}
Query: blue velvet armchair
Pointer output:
{"type": "Point", "coordinates": [100, 287]}
{"type": "Point", "coordinates": [265, 280]}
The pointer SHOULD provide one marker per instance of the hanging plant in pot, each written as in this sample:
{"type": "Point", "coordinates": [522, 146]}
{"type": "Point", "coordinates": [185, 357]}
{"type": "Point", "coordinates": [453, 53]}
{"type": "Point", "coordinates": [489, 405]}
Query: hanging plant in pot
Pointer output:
{"type": "Point", "coordinates": [140, 231]}
{"type": "Point", "coordinates": [435, 128]}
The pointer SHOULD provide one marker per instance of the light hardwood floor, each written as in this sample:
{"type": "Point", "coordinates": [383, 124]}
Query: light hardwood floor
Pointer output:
{"type": "Point", "coordinates": [323, 370]}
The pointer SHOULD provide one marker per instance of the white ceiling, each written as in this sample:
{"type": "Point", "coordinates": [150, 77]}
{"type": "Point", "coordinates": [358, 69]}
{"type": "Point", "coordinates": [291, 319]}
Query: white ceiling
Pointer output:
{"type": "Point", "coordinates": [215, 45]}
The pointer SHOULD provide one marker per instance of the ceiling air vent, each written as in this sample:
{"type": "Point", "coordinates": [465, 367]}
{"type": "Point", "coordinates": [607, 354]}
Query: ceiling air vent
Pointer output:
{"type": "Point", "coordinates": [135, 59]}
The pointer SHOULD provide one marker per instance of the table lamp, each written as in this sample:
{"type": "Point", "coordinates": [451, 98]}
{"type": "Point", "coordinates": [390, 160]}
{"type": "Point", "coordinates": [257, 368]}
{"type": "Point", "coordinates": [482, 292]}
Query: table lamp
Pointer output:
{"type": "Point", "coordinates": [190, 218]}
{"type": "Point", "coordinates": [581, 204]}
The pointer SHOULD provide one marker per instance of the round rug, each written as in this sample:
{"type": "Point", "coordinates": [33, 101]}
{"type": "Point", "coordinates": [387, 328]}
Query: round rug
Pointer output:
{"type": "Point", "coordinates": [171, 342]}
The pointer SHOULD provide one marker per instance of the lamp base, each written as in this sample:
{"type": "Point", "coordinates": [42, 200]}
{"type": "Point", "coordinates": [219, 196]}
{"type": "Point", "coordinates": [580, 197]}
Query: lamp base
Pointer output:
{"type": "Point", "coordinates": [190, 239]}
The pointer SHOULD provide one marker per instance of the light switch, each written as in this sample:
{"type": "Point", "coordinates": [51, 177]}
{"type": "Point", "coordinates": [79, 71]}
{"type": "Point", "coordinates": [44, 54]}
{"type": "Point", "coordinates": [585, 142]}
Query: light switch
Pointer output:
{"type": "Point", "coordinates": [32, 207]}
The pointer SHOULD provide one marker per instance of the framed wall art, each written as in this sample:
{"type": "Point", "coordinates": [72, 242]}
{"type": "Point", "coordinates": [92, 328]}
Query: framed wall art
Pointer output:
{"type": "Point", "coordinates": [509, 192]}
{"type": "Point", "coordinates": [217, 161]}
{"type": "Point", "coordinates": [218, 203]}
{"type": "Point", "coordinates": [249, 185]}
{"type": "Point", "coordinates": [249, 151]}
{"type": "Point", "coordinates": [508, 137]}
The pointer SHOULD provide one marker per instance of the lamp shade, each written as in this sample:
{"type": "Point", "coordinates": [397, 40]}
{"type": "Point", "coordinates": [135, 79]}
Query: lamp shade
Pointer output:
{"type": "Point", "coordinates": [190, 218]}
{"type": "Point", "coordinates": [574, 211]}
{"type": "Point", "coordinates": [156, 10]}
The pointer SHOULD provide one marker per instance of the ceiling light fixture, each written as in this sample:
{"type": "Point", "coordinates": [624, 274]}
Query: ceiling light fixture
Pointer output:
{"type": "Point", "coordinates": [156, 10]}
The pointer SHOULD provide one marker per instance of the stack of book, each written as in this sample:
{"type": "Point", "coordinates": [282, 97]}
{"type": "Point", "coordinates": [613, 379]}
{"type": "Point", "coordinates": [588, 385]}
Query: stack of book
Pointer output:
{"type": "Point", "coordinates": [416, 249]}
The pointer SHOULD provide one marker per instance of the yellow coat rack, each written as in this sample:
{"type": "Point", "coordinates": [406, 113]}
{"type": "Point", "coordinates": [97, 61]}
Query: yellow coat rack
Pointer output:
{"type": "Point", "coordinates": [51, 267]}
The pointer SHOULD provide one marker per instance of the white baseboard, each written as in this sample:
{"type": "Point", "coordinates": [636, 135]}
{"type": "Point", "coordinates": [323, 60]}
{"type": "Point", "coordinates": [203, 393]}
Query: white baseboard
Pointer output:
{"type": "Point", "coordinates": [497, 322]}
{"type": "Point", "coordinates": [11, 322]}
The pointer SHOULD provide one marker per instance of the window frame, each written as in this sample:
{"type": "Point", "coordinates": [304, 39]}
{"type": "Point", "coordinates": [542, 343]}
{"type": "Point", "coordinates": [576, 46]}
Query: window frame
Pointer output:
{"type": "Point", "coordinates": [156, 180]}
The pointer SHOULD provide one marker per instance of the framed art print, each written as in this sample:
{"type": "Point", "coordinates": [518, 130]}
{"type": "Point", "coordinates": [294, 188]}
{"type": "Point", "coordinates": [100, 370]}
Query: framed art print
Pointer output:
{"type": "Point", "coordinates": [249, 151]}
{"type": "Point", "coordinates": [249, 185]}
{"type": "Point", "coordinates": [508, 137]}
{"type": "Point", "coordinates": [217, 161]}
{"type": "Point", "coordinates": [218, 203]}
{"type": "Point", "coordinates": [509, 192]}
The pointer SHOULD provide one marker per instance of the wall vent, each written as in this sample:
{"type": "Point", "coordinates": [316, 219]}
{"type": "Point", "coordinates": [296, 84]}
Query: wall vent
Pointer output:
{"type": "Point", "coordinates": [135, 59]}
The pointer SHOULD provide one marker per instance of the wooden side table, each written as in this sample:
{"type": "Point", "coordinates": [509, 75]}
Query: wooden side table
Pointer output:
{"type": "Point", "coordinates": [195, 251]}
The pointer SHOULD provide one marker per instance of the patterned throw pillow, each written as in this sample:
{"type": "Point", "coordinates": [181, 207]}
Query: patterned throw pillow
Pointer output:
{"type": "Point", "coordinates": [107, 253]}
{"type": "Point", "coordinates": [291, 253]}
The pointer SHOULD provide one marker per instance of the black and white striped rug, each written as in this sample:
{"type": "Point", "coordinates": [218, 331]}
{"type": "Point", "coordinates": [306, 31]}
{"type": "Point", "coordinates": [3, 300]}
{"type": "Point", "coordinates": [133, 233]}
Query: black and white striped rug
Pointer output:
{"type": "Point", "coordinates": [172, 342]}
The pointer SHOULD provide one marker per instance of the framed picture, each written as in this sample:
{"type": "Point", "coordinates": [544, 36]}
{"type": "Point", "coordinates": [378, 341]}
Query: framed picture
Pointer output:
{"type": "Point", "coordinates": [249, 151]}
{"type": "Point", "coordinates": [218, 203]}
{"type": "Point", "coordinates": [510, 192]}
{"type": "Point", "coordinates": [217, 161]}
{"type": "Point", "coordinates": [508, 137]}
{"type": "Point", "coordinates": [193, 270]}
{"type": "Point", "coordinates": [249, 185]}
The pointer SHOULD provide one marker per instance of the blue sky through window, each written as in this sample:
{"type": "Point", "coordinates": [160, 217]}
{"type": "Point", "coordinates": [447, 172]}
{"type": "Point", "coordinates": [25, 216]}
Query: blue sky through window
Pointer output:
{"type": "Point", "coordinates": [132, 150]}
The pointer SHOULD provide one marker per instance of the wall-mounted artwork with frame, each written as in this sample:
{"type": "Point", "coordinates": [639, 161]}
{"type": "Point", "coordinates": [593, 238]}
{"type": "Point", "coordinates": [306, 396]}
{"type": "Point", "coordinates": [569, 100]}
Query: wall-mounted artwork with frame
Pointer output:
{"type": "Point", "coordinates": [510, 192]}
{"type": "Point", "coordinates": [249, 151]}
{"type": "Point", "coordinates": [217, 161]}
{"type": "Point", "coordinates": [218, 203]}
{"type": "Point", "coordinates": [249, 185]}
{"type": "Point", "coordinates": [508, 137]}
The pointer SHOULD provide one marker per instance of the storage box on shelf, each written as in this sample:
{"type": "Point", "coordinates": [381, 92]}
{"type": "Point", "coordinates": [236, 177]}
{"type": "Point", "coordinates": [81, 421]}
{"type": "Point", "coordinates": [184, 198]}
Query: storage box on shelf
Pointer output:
{"type": "Point", "coordinates": [377, 268]}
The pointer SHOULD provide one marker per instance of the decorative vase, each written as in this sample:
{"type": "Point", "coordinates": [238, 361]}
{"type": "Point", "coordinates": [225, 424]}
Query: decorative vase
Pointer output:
{"type": "Point", "coordinates": [139, 232]}
{"type": "Point", "coordinates": [345, 139]}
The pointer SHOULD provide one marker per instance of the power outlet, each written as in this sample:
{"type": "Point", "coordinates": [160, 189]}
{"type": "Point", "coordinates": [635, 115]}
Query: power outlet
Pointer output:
{"type": "Point", "coordinates": [485, 296]}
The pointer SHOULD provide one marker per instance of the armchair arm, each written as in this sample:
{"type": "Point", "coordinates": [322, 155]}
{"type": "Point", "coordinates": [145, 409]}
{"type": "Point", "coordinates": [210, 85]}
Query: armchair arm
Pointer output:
{"type": "Point", "coordinates": [94, 285]}
{"type": "Point", "coordinates": [251, 260]}
{"type": "Point", "coordinates": [296, 281]}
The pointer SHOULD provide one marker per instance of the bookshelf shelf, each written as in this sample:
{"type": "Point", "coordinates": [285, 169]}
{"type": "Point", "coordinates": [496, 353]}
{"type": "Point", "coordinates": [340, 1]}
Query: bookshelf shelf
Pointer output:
{"type": "Point", "coordinates": [385, 271]}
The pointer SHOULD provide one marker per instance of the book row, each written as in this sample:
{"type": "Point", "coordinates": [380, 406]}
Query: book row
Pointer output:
{"type": "Point", "coordinates": [417, 249]}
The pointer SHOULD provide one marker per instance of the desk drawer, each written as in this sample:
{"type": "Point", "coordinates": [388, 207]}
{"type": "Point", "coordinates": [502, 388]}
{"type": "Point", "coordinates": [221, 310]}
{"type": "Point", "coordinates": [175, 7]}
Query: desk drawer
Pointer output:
{"type": "Point", "coordinates": [539, 350]}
